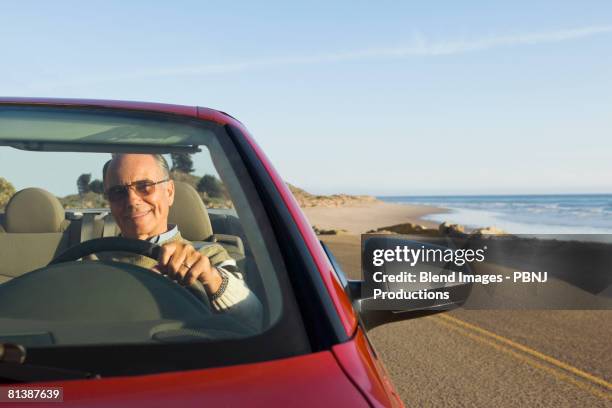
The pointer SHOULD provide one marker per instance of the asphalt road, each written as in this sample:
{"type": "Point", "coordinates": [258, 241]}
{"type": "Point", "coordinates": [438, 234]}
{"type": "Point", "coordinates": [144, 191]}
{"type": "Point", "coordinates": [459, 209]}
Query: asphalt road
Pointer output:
{"type": "Point", "coordinates": [497, 358]}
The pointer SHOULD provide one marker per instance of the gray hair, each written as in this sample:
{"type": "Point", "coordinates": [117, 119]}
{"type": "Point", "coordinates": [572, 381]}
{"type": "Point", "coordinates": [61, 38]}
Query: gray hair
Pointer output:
{"type": "Point", "coordinates": [159, 159]}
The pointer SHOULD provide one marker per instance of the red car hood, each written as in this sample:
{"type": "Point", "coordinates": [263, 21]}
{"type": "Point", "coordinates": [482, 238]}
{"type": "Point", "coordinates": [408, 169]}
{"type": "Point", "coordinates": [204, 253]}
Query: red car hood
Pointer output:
{"type": "Point", "coordinates": [309, 380]}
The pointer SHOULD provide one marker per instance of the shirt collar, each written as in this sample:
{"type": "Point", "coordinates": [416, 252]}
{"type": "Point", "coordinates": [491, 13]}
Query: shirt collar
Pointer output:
{"type": "Point", "coordinates": [161, 238]}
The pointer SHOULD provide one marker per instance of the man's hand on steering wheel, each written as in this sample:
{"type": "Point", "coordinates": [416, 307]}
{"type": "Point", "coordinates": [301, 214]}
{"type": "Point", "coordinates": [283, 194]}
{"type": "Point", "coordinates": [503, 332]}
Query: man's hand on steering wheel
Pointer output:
{"type": "Point", "coordinates": [183, 263]}
{"type": "Point", "coordinates": [153, 251]}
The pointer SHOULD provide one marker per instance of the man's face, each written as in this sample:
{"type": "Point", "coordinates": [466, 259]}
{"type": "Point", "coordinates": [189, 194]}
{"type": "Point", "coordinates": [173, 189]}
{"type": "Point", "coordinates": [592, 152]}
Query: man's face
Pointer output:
{"type": "Point", "coordinates": [139, 215]}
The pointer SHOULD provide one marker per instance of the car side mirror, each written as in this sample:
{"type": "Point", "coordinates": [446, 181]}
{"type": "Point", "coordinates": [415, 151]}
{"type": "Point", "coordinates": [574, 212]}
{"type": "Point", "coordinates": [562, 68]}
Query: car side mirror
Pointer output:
{"type": "Point", "coordinates": [441, 295]}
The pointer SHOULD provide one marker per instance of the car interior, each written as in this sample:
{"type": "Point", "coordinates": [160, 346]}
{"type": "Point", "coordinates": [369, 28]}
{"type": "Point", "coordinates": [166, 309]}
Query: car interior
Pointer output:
{"type": "Point", "coordinates": [35, 218]}
{"type": "Point", "coordinates": [35, 223]}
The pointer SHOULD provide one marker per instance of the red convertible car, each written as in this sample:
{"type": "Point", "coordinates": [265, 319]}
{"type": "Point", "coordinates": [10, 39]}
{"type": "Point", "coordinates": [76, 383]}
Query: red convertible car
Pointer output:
{"type": "Point", "coordinates": [114, 334]}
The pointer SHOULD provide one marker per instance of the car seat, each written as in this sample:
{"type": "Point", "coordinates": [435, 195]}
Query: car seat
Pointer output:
{"type": "Point", "coordinates": [35, 232]}
{"type": "Point", "coordinates": [191, 216]}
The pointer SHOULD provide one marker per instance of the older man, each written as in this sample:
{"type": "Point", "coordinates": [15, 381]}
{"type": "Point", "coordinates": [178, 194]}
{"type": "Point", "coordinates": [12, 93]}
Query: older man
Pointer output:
{"type": "Point", "coordinates": [140, 193]}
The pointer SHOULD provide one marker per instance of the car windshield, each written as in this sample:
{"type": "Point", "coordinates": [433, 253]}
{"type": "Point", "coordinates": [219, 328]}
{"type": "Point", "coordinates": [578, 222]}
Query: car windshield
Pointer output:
{"type": "Point", "coordinates": [79, 266]}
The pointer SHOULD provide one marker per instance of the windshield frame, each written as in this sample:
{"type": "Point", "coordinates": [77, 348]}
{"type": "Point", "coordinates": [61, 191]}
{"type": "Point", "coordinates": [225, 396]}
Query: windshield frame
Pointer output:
{"type": "Point", "coordinates": [276, 342]}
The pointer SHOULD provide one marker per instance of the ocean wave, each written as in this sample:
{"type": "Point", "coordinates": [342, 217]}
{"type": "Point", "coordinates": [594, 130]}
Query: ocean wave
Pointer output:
{"type": "Point", "coordinates": [522, 213]}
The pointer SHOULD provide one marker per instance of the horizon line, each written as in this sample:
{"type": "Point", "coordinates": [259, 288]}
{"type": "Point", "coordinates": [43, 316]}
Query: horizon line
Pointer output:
{"type": "Point", "coordinates": [491, 195]}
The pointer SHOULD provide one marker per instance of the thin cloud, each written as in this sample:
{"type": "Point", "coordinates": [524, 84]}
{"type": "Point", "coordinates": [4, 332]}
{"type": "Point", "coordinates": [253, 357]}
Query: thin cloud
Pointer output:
{"type": "Point", "coordinates": [419, 47]}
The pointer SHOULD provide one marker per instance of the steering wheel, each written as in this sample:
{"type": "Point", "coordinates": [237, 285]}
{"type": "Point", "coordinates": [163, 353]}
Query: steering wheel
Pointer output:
{"type": "Point", "coordinates": [135, 246]}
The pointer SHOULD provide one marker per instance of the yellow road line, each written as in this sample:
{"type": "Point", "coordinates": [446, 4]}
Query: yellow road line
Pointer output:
{"type": "Point", "coordinates": [530, 351]}
{"type": "Point", "coordinates": [558, 374]}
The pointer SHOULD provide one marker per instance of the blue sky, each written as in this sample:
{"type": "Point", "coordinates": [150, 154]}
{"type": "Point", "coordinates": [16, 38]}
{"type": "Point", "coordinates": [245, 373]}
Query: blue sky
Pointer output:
{"type": "Point", "coordinates": [358, 97]}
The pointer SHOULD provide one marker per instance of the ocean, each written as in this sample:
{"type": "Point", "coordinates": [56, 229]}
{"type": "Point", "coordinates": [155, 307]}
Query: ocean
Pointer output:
{"type": "Point", "coordinates": [523, 214]}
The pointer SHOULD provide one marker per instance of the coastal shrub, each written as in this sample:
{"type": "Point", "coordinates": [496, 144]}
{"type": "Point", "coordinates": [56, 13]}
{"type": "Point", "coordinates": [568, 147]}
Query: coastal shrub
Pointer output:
{"type": "Point", "coordinates": [212, 186]}
{"type": "Point", "coordinates": [182, 162]}
{"type": "Point", "coordinates": [96, 186]}
{"type": "Point", "coordinates": [83, 183]}
{"type": "Point", "coordinates": [87, 200]}
{"type": "Point", "coordinates": [6, 191]}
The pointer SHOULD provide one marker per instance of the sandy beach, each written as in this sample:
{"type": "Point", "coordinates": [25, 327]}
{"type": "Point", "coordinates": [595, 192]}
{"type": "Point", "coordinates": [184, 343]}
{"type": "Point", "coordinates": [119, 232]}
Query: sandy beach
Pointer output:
{"type": "Point", "coordinates": [360, 218]}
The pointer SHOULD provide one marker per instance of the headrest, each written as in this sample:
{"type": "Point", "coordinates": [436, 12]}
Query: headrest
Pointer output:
{"type": "Point", "coordinates": [33, 210]}
{"type": "Point", "coordinates": [189, 213]}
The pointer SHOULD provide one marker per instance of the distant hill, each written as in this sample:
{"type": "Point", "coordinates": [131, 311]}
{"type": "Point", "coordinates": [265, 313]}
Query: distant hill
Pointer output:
{"type": "Point", "coordinates": [89, 200]}
{"type": "Point", "coordinates": [305, 199]}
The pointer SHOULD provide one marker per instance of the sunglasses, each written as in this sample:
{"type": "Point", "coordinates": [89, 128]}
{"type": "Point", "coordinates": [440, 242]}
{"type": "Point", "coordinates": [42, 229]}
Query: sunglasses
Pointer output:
{"type": "Point", "coordinates": [141, 187]}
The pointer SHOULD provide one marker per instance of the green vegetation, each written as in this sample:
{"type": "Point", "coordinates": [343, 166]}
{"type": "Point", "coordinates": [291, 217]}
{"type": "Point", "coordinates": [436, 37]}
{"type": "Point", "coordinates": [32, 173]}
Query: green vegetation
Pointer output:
{"type": "Point", "coordinates": [210, 188]}
{"type": "Point", "coordinates": [83, 183]}
{"type": "Point", "coordinates": [96, 186]}
{"type": "Point", "coordinates": [182, 162]}
{"type": "Point", "coordinates": [90, 194]}
{"type": "Point", "coordinates": [6, 191]}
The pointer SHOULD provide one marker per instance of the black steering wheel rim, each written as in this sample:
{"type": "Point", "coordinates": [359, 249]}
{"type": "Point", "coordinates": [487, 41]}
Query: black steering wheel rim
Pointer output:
{"type": "Point", "coordinates": [136, 246]}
